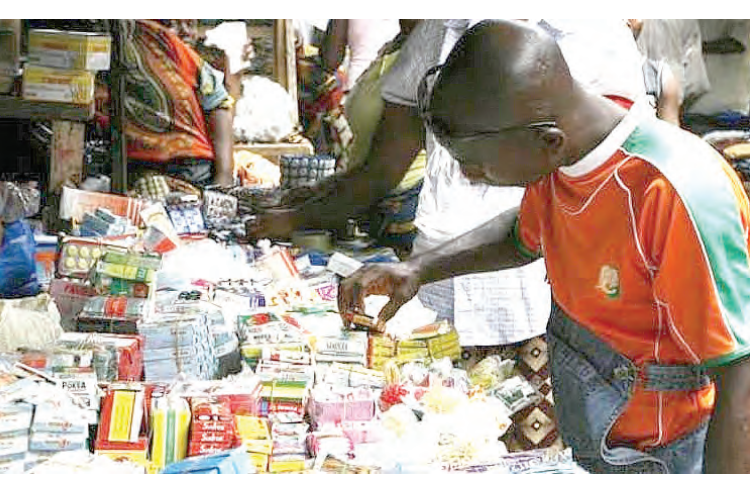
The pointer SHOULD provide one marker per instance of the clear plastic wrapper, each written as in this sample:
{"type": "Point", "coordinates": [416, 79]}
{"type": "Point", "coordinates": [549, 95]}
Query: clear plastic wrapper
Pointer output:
{"type": "Point", "coordinates": [31, 322]}
{"type": "Point", "coordinates": [490, 372]}
{"type": "Point", "coordinates": [118, 308]}
{"type": "Point", "coordinates": [517, 393]}
{"type": "Point", "coordinates": [533, 462]}
{"type": "Point", "coordinates": [177, 343]}
{"type": "Point", "coordinates": [330, 404]}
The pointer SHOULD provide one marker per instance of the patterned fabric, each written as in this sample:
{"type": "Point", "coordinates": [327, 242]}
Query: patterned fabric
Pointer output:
{"type": "Point", "coordinates": [322, 113]}
{"type": "Point", "coordinates": [169, 89]}
{"type": "Point", "coordinates": [535, 426]}
{"type": "Point", "coordinates": [392, 220]}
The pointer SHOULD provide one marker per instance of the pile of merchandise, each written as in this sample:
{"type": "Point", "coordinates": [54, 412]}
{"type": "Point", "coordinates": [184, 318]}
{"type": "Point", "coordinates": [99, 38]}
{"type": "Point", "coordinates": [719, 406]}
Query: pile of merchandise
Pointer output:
{"type": "Point", "coordinates": [200, 356]}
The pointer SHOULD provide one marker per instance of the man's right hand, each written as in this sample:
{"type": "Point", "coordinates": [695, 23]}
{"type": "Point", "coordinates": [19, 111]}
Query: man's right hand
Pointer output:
{"type": "Point", "coordinates": [398, 281]}
{"type": "Point", "coordinates": [273, 223]}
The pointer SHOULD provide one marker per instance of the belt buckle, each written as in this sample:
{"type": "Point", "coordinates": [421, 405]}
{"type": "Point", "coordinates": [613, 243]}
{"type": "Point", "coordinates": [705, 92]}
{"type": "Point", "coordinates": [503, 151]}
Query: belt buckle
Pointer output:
{"type": "Point", "coordinates": [624, 372]}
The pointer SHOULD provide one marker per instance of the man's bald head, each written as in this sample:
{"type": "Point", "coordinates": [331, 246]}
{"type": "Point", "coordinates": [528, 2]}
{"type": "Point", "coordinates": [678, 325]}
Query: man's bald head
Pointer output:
{"type": "Point", "coordinates": [500, 73]}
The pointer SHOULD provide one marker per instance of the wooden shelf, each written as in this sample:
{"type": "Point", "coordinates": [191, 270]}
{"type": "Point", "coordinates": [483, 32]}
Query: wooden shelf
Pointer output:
{"type": "Point", "coordinates": [18, 108]}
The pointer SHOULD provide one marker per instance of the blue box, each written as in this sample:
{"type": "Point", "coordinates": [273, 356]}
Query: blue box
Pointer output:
{"type": "Point", "coordinates": [231, 462]}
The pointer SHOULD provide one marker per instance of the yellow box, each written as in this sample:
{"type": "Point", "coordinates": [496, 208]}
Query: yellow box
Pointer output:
{"type": "Point", "coordinates": [55, 85]}
{"type": "Point", "coordinates": [259, 461]}
{"type": "Point", "coordinates": [286, 466]}
{"type": "Point", "coordinates": [405, 344]}
{"type": "Point", "coordinates": [123, 405]}
{"type": "Point", "coordinates": [137, 456]}
{"type": "Point", "coordinates": [170, 428]}
{"type": "Point", "coordinates": [382, 351]}
{"type": "Point", "coordinates": [252, 428]}
{"type": "Point", "coordinates": [258, 446]}
{"type": "Point", "coordinates": [70, 50]}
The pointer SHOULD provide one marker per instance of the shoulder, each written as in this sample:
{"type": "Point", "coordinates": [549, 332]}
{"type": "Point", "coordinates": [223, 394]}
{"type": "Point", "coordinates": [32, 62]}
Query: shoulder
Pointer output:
{"type": "Point", "coordinates": [662, 144]}
{"type": "Point", "coordinates": [703, 180]}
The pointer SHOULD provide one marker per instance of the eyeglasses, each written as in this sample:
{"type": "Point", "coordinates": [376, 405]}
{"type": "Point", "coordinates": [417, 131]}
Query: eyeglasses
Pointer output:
{"type": "Point", "coordinates": [441, 131]}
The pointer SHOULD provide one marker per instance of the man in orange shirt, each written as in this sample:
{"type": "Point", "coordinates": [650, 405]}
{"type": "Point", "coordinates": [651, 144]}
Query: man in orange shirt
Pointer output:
{"type": "Point", "coordinates": [648, 359]}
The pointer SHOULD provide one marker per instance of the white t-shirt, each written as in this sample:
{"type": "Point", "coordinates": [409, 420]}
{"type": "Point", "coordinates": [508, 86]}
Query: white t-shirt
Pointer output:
{"type": "Point", "coordinates": [513, 305]}
{"type": "Point", "coordinates": [365, 38]}
{"type": "Point", "coordinates": [728, 73]}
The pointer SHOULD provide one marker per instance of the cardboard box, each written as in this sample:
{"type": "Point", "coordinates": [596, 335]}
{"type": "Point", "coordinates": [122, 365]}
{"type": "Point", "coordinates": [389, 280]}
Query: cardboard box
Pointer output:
{"type": "Point", "coordinates": [54, 85]}
{"type": "Point", "coordinates": [57, 441]}
{"type": "Point", "coordinates": [228, 462]}
{"type": "Point", "coordinates": [129, 351]}
{"type": "Point", "coordinates": [70, 50]}
{"type": "Point", "coordinates": [14, 443]}
{"type": "Point", "coordinates": [52, 419]}
{"type": "Point", "coordinates": [10, 53]}
{"type": "Point", "coordinates": [170, 427]}
{"type": "Point", "coordinates": [15, 417]}
{"type": "Point", "coordinates": [136, 451]}
{"type": "Point", "coordinates": [74, 203]}
{"type": "Point", "coordinates": [259, 461]}
{"type": "Point", "coordinates": [122, 415]}
{"type": "Point", "coordinates": [13, 465]}
{"type": "Point", "coordinates": [285, 466]}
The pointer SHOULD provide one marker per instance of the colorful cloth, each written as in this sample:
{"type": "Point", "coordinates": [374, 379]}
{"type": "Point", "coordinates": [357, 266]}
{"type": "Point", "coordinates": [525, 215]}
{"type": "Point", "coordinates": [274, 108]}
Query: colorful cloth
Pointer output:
{"type": "Point", "coordinates": [617, 230]}
{"type": "Point", "coordinates": [169, 91]}
{"type": "Point", "coordinates": [322, 114]}
{"type": "Point", "coordinates": [391, 221]}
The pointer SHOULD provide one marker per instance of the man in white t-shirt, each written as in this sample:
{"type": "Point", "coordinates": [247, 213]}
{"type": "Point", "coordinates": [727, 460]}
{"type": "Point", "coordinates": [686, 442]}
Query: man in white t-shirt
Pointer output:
{"type": "Point", "coordinates": [506, 307]}
{"type": "Point", "coordinates": [364, 39]}
{"type": "Point", "coordinates": [501, 312]}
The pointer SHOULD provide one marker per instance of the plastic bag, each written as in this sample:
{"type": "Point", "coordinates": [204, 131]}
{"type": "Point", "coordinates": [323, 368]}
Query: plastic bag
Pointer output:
{"type": "Point", "coordinates": [17, 265]}
{"type": "Point", "coordinates": [265, 113]}
{"type": "Point", "coordinates": [18, 201]}
{"type": "Point", "coordinates": [32, 323]}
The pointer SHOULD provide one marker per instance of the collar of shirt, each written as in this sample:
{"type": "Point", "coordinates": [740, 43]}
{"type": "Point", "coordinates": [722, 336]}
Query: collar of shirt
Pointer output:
{"type": "Point", "coordinates": [602, 152]}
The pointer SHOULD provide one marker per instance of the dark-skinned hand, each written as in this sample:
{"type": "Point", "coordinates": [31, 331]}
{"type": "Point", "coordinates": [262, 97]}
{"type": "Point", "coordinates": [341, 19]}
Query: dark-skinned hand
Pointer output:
{"type": "Point", "coordinates": [273, 223]}
{"type": "Point", "coordinates": [398, 281]}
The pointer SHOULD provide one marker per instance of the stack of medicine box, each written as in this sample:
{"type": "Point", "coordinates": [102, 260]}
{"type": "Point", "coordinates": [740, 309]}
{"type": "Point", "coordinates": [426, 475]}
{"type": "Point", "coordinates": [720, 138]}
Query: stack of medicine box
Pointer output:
{"type": "Point", "coordinates": [425, 344]}
{"type": "Point", "coordinates": [128, 274]}
{"type": "Point", "coordinates": [125, 283]}
{"type": "Point", "coordinates": [62, 64]}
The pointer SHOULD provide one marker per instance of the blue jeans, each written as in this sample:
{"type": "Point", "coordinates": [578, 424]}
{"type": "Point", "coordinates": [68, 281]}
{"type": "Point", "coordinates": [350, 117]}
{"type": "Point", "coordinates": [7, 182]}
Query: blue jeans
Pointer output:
{"type": "Point", "coordinates": [592, 383]}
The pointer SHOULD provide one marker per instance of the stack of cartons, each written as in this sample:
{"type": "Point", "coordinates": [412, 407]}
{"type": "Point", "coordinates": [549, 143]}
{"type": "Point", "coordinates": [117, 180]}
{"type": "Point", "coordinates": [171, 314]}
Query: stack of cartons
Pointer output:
{"type": "Point", "coordinates": [10, 53]}
{"type": "Point", "coordinates": [62, 64]}
{"type": "Point", "coordinates": [425, 344]}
